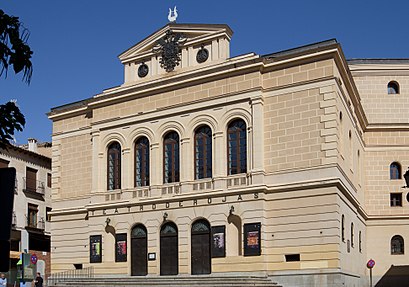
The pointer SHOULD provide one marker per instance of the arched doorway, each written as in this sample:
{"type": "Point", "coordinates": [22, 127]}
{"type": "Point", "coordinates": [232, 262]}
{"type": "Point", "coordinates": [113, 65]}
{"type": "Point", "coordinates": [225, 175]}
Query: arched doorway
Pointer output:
{"type": "Point", "coordinates": [200, 247]}
{"type": "Point", "coordinates": [169, 251]}
{"type": "Point", "coordinates": [139, 251]}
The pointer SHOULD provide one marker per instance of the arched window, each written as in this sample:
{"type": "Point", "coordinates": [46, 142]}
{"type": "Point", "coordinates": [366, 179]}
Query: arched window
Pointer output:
{"type": "Point", "coordinates": [343, 228]}
{"type": "Point", "coordinates": [142, 162]}
{"type": "Point", "coordinates": [171, 158]}
{"type": "Point", "coordinates": [395, 170]}
{"type": "Point", "coordinates": [393, 88]}
{"type": "Point", "coordinates": [114, 166]}
{"type": "Point", "coordinates": [397, 245]}
{"type": "Point", "coordinates": [203, 152]}
{"type": "Point", "coordinates": [236, 147]}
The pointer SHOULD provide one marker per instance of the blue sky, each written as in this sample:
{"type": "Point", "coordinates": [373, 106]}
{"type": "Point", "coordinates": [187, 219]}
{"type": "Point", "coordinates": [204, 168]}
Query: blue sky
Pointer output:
{"type": "Point", "coordinates": [76, 43]}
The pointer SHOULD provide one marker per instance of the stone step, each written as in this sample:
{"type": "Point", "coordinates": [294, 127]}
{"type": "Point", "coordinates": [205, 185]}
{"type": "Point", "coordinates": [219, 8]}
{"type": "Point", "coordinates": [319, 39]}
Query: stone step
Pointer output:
{"type": "Point", "coordinates": [202, 281]}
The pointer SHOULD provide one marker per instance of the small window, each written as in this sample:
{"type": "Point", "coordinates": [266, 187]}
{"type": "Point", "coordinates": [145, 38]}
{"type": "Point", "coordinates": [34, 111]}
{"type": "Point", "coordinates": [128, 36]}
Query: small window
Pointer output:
{"type": "Point", "coordinates": [47, 213]}
{"type": "Point", "coordinates": [352, 234]}
{"type": "Point", "coordinates": [393, 88]}
{"type": "Point", "coordinates": [292, 257]}
{"type": "Point", "coordinates": [396, 199]}
{"type": "Point", "coordinates": [397, 245]}
{"type": "Point", "coordinates": [343, 228]}
{"type": "Point", "coordinates": [360, 241]}
{"type": "Point", "coordinates": [48, 179]}
{"type": "Point", "coordinates": [395, 170]}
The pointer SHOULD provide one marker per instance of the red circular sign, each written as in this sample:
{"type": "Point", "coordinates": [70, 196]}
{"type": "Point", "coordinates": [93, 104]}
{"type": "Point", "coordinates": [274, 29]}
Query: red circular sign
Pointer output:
{"type": "Point", "coordinates": [370, 264]}
{"type": "Point", "coordinates": [34, 259]}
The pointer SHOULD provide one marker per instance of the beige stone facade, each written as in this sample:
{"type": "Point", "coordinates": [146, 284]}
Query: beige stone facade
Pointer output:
{"type": "Point", "coordinates": [320, 136]}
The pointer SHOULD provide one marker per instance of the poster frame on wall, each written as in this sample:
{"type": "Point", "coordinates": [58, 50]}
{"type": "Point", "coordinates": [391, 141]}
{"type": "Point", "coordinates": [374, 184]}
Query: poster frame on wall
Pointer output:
{"type": "Point", "coordinates": [218, 241]}
{"type": "Point", "coordinates": [252, 239]}
{"type": "Point", "coordinates": [95, 249]}
{"type": "Point", "coordinates": [121, 247]}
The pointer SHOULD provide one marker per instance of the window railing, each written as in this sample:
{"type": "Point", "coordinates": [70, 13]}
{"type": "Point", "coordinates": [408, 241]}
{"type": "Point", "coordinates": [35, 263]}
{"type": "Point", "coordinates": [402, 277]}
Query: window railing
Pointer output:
{"type": "Point", "coordinates": [34, 185]}
{"type": "Point", "coordinates": [31, 223]}
{"type": "Point", "coordinates": [14, 219]}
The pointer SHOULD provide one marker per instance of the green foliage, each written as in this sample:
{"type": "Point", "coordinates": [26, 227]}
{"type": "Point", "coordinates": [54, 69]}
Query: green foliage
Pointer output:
{"type": "Point", "coordinates": [13, 48]}
{"type": "Point", "coordinates": [14, 52]}
{"type": "Point", "coordinates": [11, 119]}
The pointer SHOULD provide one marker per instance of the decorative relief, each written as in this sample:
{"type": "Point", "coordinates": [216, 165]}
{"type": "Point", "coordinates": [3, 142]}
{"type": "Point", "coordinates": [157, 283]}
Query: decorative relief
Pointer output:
{"type": "Point", "coordinates": [169, 50]}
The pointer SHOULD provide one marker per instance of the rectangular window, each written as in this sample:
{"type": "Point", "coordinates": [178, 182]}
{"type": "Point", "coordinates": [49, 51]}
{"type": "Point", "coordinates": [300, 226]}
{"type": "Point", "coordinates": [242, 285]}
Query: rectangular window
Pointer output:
{"type": "Point", "coordinates": [120, 247]}
{"type": "Point", "coordinates": [31, 179]}
{"type": "Point", "coordinates": [396, 199]}
{"type": "Point", "coordinates": [48, 179]}
{"type": "Point", "coordinates": [218, 241]}
{"type": "Point", "coordinates": [292, 257]}
{"type": "Point", "coordinates": [32, 215]}
{"type": "Point", "coordinates": [47, 213]}
{"type": "Point", "coordinates": [95, 249]}
{"type": "Point", "coordinates": [252, 239]}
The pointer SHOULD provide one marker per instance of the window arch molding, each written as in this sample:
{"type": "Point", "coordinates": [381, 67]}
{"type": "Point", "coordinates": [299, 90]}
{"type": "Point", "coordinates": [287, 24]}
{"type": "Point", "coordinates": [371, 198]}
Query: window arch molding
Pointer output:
{"type": "Point", "coordinates": [165, 128]}
{"type": "Point", "coordinates": [202, 120]}
{"type": "Point", "coordinates": [395, 170]}
{"type": "Point", "coordinates": [142, 132]}
{"type": "Point", "coordinates": [110, 138]}
{"type": "Point", "coordinates": [234, 114]}
{"type": "Point", "coordinates": [393, 88]}
{"type": "Point", "coordinates": [397, 245]}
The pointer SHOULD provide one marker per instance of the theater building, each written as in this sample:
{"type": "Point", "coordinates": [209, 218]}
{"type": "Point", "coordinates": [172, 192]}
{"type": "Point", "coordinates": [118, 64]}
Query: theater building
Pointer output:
{"type": "Point", "coordinates": [287, 165]}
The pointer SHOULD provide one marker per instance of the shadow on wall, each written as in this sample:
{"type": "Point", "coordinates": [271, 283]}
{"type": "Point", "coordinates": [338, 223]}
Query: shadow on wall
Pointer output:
{"type": "Point", "coordinates": [396, 276]}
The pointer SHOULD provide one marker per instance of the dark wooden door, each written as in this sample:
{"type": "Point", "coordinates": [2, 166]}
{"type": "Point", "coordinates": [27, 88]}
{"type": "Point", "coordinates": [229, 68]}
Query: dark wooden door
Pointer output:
{"type": "Point", "coordinates": [169, 251]}
{"type": "Point", "coordinates": [200, 248]}
{"type": "Point", "coordinates": [139, 252]}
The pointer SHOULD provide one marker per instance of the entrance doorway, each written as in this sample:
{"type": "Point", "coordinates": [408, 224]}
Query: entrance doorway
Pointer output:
{"type": "Point", "coordinates": [169, 251]}
{"type": "Point", "coordinates": [200, 247]}
{"type": "Point", "coordinates": [139, 251]}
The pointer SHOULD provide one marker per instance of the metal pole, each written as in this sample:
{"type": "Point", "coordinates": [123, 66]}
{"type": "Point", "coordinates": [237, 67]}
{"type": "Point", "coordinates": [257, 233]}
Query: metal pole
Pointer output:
{"type": "Point", "coordinates": [370, 277]}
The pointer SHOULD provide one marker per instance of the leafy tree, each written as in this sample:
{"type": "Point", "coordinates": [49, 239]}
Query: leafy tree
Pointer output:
{"type": "Point", "coordinates": [14, 52]}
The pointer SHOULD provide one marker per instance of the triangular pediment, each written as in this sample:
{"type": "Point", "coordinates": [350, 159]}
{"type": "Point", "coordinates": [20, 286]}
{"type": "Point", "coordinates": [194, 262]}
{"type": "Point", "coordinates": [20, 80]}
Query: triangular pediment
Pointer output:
{"type": "Point", "coordinates": [195, 34]}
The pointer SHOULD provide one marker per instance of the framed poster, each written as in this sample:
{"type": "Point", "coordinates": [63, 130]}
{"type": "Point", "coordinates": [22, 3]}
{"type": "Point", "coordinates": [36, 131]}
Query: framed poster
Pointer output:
{"type": "Point", "coordinates": [95, 249]}
{"type": "Point", "coordinates": [120, 247]}
{"type": "Point", "coordinates": [252, 239]}
{"type": "Point", "coordinates": [218, 241]}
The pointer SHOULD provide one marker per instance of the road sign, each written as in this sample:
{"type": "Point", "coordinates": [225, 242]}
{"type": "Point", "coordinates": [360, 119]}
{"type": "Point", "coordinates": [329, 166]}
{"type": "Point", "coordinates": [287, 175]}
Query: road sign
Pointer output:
{"type": "Point", "coordinates": [370, 264]}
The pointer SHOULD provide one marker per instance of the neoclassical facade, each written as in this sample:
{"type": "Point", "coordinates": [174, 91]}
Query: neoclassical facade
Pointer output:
{"type": "Point", "coordinates": [287, 165]}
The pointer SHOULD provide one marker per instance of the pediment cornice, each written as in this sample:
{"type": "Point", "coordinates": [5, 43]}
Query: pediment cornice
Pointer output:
{"type": "Point", "coordinates": [195, 34]}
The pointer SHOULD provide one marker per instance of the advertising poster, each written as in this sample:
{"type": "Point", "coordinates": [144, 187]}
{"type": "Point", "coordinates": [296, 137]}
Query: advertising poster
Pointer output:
{"type": "Point", "coordinates": [95, 255]}
{"type": "Point", "coordinates": [218, 241]}
{"type": "Point", "coordinates": [120, 247]}
{"type": "Point", "coordinates": [252, 239]}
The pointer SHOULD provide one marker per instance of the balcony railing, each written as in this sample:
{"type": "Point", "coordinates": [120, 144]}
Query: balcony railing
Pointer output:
{"type": "Point", "coordinates": [34, 185]}
{"type": "Point", "coordinates": [36, 224]}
